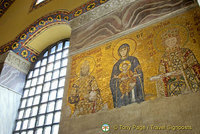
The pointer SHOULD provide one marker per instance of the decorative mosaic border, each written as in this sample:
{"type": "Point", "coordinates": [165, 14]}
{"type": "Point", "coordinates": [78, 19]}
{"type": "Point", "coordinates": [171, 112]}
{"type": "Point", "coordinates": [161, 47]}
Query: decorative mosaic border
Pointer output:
{"type": "Point", "coordinates": [4, 5]}
{"type": "Point", "coordinates": [18, 45]}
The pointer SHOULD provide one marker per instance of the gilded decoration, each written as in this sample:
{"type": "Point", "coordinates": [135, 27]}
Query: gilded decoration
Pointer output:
{"type": "Point", "coordinates": [50, 19]}
{"type": "Point", "coordinates": [103, 1]}
{"type": "Point", "coordinates": [24, 53]}
{"type": "Point", "coordinates": [91, 6]}
{"type": "Point", "coordinates": [6, 49]}
{"type": "Point", "coordinates": [4, 5]}
{"type": "Point", "coordinates": [33, 59]}
{"type": "Point", "coordinates": [79, 12]}
{"type": "Point", "coordinates": [15, 45]}
{"type": "Point", "coordinates": [23, 36]}
{"type": "Point", "coordinates": [58, 17]}
{"type": "Point", "coordinates": [32, 29]}
{"type": "Point", "coordinates": [159, 60]}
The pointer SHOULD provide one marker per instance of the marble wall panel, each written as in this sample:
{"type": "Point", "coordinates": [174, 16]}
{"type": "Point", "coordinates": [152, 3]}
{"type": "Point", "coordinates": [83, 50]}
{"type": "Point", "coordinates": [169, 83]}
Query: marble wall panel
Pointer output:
{"type": "Point", "coordinates": [12, 78]}
{"type": "Point", "coordinates": [9, 103]}
{"type": "Point", "coordinates": [135, 14]}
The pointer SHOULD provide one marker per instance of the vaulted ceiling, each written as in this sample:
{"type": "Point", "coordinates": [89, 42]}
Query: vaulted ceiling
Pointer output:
{"type": "Point", "coordinates": [4, 5]}
{"type": "Point", "coordinates": [27, 30]}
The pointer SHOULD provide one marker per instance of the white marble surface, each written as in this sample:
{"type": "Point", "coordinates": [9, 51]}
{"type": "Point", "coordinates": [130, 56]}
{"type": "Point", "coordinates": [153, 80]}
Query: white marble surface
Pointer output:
{"type": "Point", "coordinates": [12, 78]}
{"type": "Point", "coordinates": [9, 103]}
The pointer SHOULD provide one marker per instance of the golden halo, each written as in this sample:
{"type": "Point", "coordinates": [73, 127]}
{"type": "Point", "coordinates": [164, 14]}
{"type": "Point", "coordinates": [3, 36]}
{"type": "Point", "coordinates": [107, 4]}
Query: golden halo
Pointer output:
{"type": "Point", "coordinates": [90, 61]}
{"type": "Point", "coordinates": [132, 43]}
{"type": "Point", "coordinates": [125, 62]}
{"type": "Point", "coordinates": [183, 33]}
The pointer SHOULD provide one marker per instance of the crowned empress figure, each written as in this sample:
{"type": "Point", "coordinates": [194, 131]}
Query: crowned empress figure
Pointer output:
{"type": "Point", "coordinates": [179, 68]}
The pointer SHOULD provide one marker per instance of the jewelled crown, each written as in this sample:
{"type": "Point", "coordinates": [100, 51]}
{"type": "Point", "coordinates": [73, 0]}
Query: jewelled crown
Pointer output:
{"type": "Point", "coordinates": [170, 33]}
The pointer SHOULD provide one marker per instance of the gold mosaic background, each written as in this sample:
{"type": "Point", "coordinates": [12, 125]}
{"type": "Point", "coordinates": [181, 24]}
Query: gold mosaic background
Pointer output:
{"type": "Point", "coordinates": [146, 46]}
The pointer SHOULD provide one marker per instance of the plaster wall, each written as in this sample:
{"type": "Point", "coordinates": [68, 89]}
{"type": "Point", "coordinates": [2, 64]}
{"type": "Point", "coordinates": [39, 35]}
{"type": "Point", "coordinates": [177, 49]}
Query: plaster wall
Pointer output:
{"type": "Point", "coordinates": [165, 111]}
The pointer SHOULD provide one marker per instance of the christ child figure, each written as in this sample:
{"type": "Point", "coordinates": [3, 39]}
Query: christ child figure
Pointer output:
{"type": "Point", "coordinates": [127, 78]}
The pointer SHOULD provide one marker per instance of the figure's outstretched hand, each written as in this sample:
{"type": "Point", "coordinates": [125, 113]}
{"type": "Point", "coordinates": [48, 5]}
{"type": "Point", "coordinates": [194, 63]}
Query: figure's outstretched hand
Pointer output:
{"type": "Point", "coordinates": [122, 96]}
{"type": "Point", "coordinates": [132, 84]}
{"type": "Point", "coordinates": [115, 76]}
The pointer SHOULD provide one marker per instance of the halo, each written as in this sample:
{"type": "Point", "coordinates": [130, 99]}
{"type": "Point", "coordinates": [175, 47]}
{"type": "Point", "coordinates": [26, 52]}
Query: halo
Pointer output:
{"type": "Point", "coordinates": [91, 62]}
{"type": "Point", "coordinates": [126, 61]}
{"type": "Point", "coordinates": [183, 33]}
{"type": "Point", "coordinates": [130, 42]}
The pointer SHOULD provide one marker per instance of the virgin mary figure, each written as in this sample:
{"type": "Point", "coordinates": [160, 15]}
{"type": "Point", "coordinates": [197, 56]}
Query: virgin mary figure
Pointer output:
{"type": "Point", "coordinates": [135, 93]}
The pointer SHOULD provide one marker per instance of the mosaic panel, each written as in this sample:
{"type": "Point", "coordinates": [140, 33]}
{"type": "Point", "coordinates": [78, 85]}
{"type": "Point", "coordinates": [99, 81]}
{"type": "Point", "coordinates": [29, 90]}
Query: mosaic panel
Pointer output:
{"type": "Point", "coordinates": [159, 60]}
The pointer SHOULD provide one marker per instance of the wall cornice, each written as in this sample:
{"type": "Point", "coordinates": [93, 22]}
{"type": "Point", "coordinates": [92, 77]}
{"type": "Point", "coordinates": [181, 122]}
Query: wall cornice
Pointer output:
{"type": "Point", "coordinates": [99, 12]}
{"type": "Point", "coordinates": [15, 61]}
{"type": "Point", "coordinates": [127, 19]}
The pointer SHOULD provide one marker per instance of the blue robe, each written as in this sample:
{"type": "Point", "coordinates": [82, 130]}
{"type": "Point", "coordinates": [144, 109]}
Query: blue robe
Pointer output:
{"type": "Point", "coordinates": [138, 88]}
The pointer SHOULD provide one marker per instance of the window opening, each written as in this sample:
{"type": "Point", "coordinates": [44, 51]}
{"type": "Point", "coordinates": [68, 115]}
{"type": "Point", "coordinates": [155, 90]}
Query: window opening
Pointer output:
{"type": "Point", "coordinates": [41, 102]}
